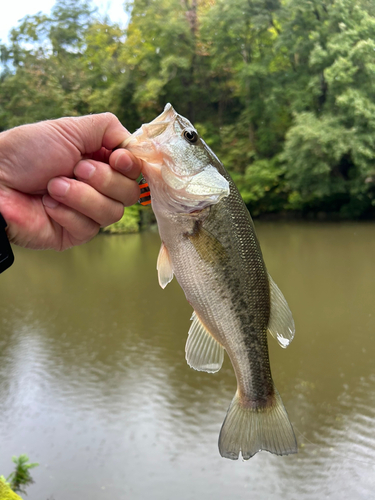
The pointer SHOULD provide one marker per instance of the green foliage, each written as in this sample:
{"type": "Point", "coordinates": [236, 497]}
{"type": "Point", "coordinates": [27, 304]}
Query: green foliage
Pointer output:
{"type": "Point", "coordinates": [129, 223]}
{"type": "Point", "coordinates": [263, 187]}
{"type": "Point", "coordinates": [4, 481]}
{"type": "Point", "coordinates": [20, 478]}
{"type": "Point", "coordinates": [5, 491]}
{"type": "Point", "coordinates": [282, 90]}
{"type": "Point", "coordinates": [330, 147]}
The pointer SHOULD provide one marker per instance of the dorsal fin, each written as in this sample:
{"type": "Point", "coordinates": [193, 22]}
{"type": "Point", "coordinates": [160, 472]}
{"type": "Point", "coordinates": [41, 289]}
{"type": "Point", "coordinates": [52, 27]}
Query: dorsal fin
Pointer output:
{"type": "Point", "coordinates": [203, 352]}
{"type": "Point", "coordinates": [164, 267]}
{"type": "Point", "coordinates": [281, 323]}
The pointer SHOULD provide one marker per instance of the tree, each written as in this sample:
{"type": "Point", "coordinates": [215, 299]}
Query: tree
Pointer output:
{"type": "Point", "coordinates": [330, 148]}
{"type": "Point", "coordinates": [163, 56]}
{"type": "Point", "coordinates": [49, 76]}
{"type": "Point", "coordinates": [282, 90]}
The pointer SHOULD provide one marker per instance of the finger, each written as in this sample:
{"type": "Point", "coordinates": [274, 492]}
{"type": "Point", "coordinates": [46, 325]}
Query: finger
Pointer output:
{"type": "Point", "coordinates": [90, 133]}
{"type": "Point", "coordinates": [102, 155]}
{"type": "Point", "coordinates": [85, 199]}
{"type": "Point", "coordinates": [108, 181]}
{"type": "Point", "coordinates": [76, 227]}
{"type": "Point", "coordinates": [126, 163]}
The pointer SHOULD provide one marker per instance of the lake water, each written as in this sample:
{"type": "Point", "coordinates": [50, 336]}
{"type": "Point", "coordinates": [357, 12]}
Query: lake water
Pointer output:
{"type": "Point", "coordinates": [94, 385]}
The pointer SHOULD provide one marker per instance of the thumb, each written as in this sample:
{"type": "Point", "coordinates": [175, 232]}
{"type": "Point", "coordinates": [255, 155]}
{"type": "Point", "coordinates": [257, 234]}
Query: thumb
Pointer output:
{"type": "Point", "coordinates": [91, 132]}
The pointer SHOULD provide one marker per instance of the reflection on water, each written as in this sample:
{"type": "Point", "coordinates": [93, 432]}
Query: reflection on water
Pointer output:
{"type": "Point", "coordinates": [94, 385]}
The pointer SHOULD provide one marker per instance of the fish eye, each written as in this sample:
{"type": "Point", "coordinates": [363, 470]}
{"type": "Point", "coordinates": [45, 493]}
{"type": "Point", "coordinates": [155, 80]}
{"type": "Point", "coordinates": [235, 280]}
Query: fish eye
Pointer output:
{"type": "Point", "coordinates": [190, 135]}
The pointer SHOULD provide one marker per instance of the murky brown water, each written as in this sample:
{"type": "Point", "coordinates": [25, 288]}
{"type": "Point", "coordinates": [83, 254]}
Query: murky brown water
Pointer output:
{"type": "Point", "coordinates": [94, 385]}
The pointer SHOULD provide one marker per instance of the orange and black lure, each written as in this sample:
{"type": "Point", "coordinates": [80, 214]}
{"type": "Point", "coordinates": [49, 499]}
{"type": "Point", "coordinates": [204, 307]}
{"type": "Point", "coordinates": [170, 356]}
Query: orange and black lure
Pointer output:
{"type": "Point", "coordinates": [145, 197]}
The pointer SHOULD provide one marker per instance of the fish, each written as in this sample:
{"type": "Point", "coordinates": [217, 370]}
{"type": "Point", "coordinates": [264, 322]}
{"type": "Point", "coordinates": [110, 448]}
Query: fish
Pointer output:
{"type": "Point", "coordinates": [208, 242]}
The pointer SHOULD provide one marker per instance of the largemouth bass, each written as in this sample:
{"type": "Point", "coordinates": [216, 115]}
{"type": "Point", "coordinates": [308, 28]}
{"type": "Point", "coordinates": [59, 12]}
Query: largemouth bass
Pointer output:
{"type": "Point", "coordinates": [209, 244]}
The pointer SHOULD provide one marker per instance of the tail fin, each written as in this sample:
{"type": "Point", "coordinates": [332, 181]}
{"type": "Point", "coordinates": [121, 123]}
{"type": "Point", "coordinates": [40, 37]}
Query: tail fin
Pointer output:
{"type": "Point", "coordinates": [250, 430]}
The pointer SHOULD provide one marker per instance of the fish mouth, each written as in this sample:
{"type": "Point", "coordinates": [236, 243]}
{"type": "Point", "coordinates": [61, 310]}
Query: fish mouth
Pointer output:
{"type": "Point", "coordinates": [168, 115]}
{"type": "Point", "coordinates": [151, 130]}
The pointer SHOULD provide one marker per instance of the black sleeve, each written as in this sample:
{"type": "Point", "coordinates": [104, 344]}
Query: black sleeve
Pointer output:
{"type": "Point", "coordinates": [6, 254]}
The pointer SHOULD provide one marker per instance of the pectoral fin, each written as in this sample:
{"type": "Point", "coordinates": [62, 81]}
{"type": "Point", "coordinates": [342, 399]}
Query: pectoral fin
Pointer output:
{"type": "Point", "coordinates": [164, 267]}
{"type": "Point", "coordinates": [281, 323]}
{"type": "Point", "coordinates": [203, 352]}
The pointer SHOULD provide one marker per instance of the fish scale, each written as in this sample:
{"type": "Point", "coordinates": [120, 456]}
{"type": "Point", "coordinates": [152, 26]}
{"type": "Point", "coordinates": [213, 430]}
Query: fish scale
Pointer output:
{"type": "Point", "coordinates": [209, 244]}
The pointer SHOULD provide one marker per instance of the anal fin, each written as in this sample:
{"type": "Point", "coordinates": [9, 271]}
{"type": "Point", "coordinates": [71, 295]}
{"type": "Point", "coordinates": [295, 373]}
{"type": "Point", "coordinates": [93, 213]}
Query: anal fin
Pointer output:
{"type": "Point", "coordinates": [281, 323]}
{"type": "Point", "coordinates": [164, 267]}
{"type": "Point", "coordinates": [203, 352]}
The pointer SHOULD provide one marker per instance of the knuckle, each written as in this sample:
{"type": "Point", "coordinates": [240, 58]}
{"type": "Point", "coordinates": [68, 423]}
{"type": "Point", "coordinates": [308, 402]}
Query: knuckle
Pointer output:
{"type": "Point", "coordinates": [112, 214]}
{"type": "Point", "coordinates": [88, 231]}
{"type": "Point", "coordinates": [105, 119]}
{"type": "Point", "coordinates": [106, 180]}
{"type": "Point", "coordinates": [109, 117]}
{"type": "Point", "coordinates": [118, 212]}
{"type": "Point", "coordinates": [131, 195]}
{"type": "Point", "coordinates": [93, 231]}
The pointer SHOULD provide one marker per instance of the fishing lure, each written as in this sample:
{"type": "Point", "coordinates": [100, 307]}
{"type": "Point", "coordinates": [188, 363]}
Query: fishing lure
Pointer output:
{"type": "Point", "coordinates": [145, 197]}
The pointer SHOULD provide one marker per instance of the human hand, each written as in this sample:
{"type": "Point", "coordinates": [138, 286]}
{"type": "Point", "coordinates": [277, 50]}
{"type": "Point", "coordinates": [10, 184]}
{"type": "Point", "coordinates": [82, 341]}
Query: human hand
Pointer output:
{"type": "Point", "coordinates": [60, 181]}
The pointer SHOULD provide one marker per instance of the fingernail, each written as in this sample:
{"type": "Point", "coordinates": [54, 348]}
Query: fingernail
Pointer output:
{"type": "Point", "coordinates": [84, 170]}
{"type": "Point", "coordinates": [58, 187]}
{"type": "Point", "coordinates": [49, 202]}
{"type": "Point", "coordinates": [126, 162]}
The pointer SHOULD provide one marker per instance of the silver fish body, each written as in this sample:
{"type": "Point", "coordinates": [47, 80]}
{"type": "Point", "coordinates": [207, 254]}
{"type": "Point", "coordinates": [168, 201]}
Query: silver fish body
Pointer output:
{"type": "Point", "coordinates": [209, 244]}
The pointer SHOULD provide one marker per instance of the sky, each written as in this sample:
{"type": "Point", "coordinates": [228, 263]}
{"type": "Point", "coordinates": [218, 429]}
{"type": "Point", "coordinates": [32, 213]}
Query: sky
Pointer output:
{"type": "Point", "coordinates": [17, 9]}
